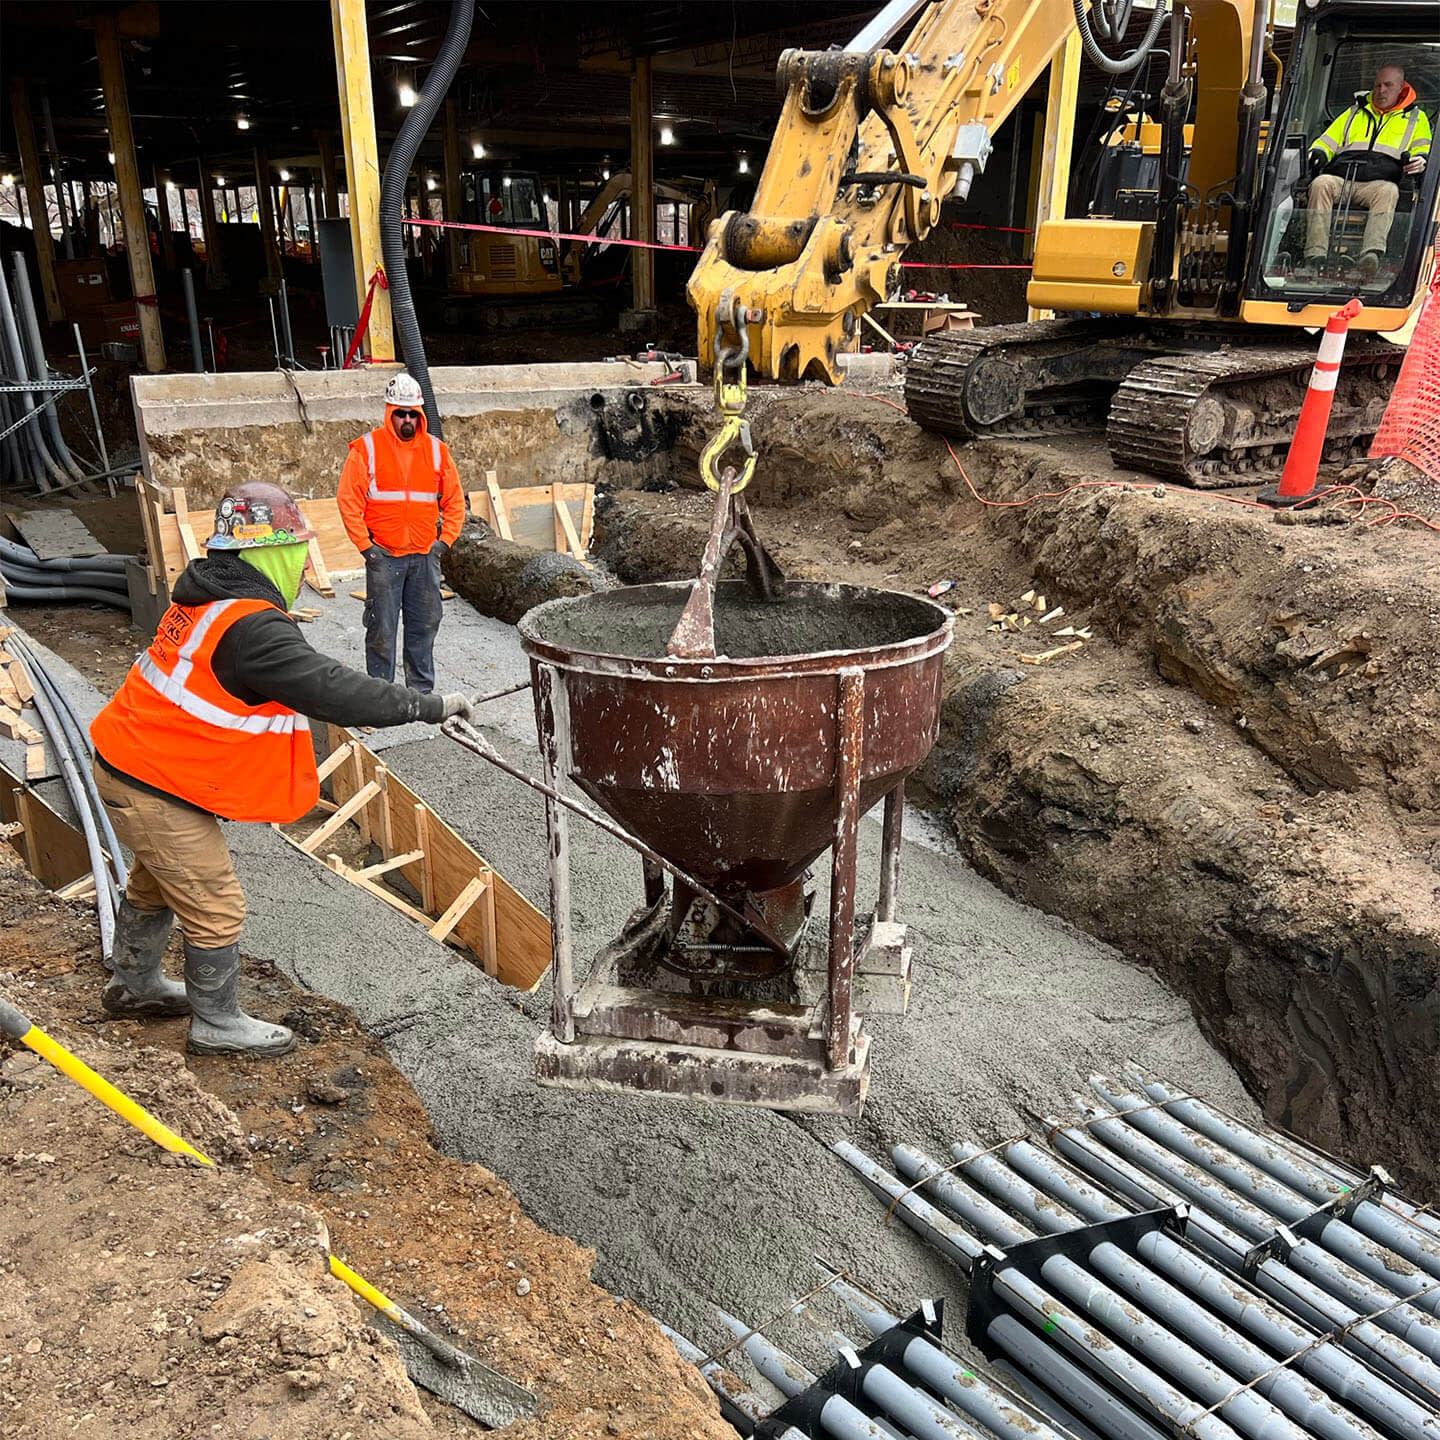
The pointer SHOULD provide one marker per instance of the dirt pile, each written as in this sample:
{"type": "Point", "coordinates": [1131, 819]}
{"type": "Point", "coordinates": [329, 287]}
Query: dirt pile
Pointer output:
{"type": "Point", "coordinates": [169, 1298]}
{"type": "Point", "coordinates": [1229, 779]}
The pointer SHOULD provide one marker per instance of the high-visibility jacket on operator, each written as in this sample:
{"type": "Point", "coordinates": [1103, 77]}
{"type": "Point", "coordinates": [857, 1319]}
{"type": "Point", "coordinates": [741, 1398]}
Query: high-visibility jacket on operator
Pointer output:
{"type": "Point", "coordinates": [1376, 139]}
{"type": "Point", "coordinates": [401, 495]}
{"type": "Point", "coordinates": [173, 726]}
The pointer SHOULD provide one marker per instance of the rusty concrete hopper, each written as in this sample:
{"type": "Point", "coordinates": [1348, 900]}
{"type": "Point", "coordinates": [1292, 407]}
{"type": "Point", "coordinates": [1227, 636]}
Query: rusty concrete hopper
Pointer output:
{"type": "Point", "coordinates": [741, 770]}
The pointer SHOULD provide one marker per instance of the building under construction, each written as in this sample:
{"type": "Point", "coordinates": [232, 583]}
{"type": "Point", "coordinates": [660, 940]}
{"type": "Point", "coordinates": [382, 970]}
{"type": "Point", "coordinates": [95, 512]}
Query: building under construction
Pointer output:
{"type": "Point", "coordinates": [717, 720]}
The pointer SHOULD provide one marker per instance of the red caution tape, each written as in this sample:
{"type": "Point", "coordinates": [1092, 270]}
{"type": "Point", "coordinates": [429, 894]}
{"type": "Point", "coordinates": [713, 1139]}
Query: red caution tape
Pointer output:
{"type": "Point", "coordinates": [378, 278]}
{"type": "Point", "coordinates": [554, 235]}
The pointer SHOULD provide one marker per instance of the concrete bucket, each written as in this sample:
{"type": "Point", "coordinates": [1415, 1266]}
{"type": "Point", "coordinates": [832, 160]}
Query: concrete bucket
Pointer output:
{"type": "Point", "coordinates": [740, 770]}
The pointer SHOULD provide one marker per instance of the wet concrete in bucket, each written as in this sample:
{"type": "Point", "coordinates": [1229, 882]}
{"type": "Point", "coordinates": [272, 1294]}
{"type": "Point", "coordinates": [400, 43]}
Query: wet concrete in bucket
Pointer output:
{"type": "Point", "coordinates": [689, 1203]}
{"type": "Point", "coordinates": [807, 619]}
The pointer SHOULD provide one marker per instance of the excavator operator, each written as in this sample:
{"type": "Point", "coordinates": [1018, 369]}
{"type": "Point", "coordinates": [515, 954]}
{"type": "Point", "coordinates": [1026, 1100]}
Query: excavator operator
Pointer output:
{"type": "Point", "coordinates": [1367, 148]}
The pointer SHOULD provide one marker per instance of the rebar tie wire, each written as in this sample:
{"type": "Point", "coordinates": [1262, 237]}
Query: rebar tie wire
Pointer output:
{"type": "Point", "coordinates": [764, 1325]}
{"type": "Point", "coordinates": [925, 1180]}
{"type": "Point", "coordinates": [1338, 1333]}
{"type": "Point", "coordinates": [1051, 1130]}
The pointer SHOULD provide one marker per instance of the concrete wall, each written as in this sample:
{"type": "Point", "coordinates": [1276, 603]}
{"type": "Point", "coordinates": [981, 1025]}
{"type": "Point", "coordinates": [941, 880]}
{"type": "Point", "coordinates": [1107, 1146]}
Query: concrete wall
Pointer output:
{"type": "Point", "coordinates": [531, 424]}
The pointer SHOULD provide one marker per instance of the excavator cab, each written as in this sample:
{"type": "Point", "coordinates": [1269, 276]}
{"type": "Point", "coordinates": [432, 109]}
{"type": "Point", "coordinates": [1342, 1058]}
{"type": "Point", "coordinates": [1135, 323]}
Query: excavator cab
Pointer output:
{"type": "Point", "coordinates": [1354, 224]}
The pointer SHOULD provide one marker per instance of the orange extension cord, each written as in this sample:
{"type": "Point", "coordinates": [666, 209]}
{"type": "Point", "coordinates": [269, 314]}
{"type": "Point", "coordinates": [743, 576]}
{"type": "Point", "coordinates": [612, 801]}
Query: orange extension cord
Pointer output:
{"type": "Point", "coordinates": [1348, 494]}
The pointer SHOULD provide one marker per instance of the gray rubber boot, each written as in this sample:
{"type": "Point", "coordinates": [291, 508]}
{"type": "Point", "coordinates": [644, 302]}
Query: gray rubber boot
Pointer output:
{"type": "Point", "coordinates": [218, 1026]}
{"type": "Point", "coordinates": [138, 985]}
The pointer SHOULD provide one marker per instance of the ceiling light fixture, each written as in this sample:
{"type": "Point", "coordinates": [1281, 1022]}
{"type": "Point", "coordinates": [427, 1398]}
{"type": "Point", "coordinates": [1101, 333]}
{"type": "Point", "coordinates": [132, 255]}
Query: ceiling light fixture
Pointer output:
{"type": "Point", "coordinates": [667, 135]}
{"type": "Point", "coordinates": [284, 175]}
{"type": "Point", "coordinates": [478, 150]}
{"type": "Point", "coordinates": [220, 181]}
{"type": "Point", "coordinates": [241, 122]}
{"type": "Point", "coordinates": [744, 166]}
{"type": "Point", "coordinates": [407, 94]}
{"type": "Point", "coordinates": [110, 156]}
{"type": "Point", "coordinates": [429, 184]}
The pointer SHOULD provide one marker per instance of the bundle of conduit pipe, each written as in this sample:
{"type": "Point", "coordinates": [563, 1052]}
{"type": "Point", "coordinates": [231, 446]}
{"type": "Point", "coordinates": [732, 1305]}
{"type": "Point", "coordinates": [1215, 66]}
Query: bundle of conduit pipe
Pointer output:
{"type": "Point", "coordinates": [1153, 1268]}
{"type": "Point", "coordinates": [69, 742]}
{"type": "Point", "coordinates": [29, 580]}
{"type": "Point", "coordinates": [35, 452]}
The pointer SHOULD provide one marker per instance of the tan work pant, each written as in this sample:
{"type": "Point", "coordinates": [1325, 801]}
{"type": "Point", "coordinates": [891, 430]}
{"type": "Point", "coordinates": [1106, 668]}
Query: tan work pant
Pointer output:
{"type": "Point", "coordinates": [1378, 197]}
{"type": "Point", "coordinates": [181, 861]}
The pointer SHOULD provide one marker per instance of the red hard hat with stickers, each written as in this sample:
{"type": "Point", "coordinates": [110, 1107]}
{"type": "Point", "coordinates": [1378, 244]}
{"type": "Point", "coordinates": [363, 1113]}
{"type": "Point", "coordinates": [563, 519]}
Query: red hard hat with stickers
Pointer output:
{"type": "Point", "coordinates": [256, 513]}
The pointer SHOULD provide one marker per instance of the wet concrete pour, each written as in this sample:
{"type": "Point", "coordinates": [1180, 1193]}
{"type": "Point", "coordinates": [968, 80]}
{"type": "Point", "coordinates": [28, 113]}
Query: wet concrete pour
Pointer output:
{"type": "Point", "coordinates": [688, 1203]}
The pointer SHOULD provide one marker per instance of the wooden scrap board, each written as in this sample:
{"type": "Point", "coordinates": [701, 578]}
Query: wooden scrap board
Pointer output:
{"type": "Point", "coordinates": [55, 534]}
{"type": "Point", "coordinates": [462, 897]}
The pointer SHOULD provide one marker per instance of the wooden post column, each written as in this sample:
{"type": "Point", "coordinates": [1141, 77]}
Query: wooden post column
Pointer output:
{"type": "Point", "coordinates": [642, 182]}
{"type": "Point", "coordinates": [362, 165]}
{"type": "Point", "coordinates": [132, 200]}
{"type": "Point", "coordinates": [34, 180]}
{"type": "Point", "coordinates": [265, 202]}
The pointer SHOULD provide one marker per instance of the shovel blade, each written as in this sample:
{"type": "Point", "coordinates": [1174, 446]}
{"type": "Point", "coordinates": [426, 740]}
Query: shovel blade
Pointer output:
{"type": "Point", "coordinates": [461, 1380]}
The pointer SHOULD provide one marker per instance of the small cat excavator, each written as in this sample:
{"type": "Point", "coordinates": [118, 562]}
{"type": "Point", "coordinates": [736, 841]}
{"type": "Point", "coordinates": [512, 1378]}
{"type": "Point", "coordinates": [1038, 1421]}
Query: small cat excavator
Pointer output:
{"type": "Point", "coordinates": [1182, 298]}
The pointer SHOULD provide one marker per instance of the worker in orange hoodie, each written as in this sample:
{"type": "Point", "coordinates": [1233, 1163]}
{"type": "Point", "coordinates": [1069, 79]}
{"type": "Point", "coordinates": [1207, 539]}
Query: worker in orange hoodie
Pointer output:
{"type": "Point", "coordinates": [402, 506]}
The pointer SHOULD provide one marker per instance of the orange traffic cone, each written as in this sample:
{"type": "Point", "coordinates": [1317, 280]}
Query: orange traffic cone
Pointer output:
{"type": "Point", "coordinates": [1302, 464]}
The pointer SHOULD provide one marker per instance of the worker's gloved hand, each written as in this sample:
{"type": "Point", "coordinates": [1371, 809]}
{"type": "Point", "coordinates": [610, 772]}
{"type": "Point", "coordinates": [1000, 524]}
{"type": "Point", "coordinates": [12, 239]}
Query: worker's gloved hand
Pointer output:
{"type": "Point", "coordinates": [1316, 162]}
{"type": "Point", "coordinates": [457, 704]}
{"type": "Point", "coordinates": [438, 550]}
{"type": "Point", "coordinates": [373, 554]}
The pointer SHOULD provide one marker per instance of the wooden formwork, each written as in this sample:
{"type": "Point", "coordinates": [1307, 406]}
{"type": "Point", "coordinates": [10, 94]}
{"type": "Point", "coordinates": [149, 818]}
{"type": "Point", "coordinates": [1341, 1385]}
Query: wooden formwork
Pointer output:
{"type": "Point", "coordinates": [559, 517]}
{"type": "Point", "coordinates": [463, 899]}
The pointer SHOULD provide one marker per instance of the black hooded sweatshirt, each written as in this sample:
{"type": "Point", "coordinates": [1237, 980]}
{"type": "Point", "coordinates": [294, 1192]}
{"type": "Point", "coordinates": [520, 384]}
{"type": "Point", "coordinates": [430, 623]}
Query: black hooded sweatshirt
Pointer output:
{"type": "Point", "coordinates": [264, 657]}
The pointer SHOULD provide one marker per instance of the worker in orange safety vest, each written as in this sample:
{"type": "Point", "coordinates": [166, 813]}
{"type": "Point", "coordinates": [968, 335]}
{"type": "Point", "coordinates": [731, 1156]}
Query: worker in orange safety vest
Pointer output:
{"type": "Point", "coordinates": [402, 506]}
{"type": "Point", "coordinates": [210, 723]}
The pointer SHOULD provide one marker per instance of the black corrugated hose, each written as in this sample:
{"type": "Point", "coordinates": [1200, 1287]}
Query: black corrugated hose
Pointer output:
{"type": "Point", "coordinates": [392, 199]}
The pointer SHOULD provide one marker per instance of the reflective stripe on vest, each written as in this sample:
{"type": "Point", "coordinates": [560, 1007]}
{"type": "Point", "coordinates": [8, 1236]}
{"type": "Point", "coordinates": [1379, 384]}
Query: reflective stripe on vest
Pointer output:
{"type": "Point", "coordinates": [173, 687]}
{"type": "Point", "coordinates": [1370, 143]}
{"type": "Point", "coordinates": [401, 496]}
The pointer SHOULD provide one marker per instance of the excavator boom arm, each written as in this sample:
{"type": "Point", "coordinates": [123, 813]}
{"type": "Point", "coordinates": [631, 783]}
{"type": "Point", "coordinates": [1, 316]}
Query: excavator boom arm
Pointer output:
{"type": "Point", "coordinates": [868, 145]}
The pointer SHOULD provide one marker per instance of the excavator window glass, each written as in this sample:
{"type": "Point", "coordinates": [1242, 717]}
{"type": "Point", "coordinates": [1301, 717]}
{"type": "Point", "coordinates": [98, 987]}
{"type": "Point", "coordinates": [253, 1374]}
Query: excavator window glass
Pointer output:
{"type": "Point", "coordinates": [500, 198]}
{"type": "Point", "coordinates": [1341, 213]}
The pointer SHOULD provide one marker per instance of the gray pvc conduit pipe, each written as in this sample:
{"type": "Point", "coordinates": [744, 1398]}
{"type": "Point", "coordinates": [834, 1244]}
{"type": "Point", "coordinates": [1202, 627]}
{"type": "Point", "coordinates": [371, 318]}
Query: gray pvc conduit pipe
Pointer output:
{"type": "Point", "coordinates": [106, 899]}
{"type": "Point", "coordinates": [392, 198]}
{"type": "Point", "coordinates": [45, 460]}
{"type": "Point", "coordinates": [34, 594]}
{"type": "Point", "coordinates": [94, 579]}
{"type": "Point", "coordinates": [79, 739]}
{"type": "Point", "coordinates": [35, 575]}
{"type": "Point", "coordinates": [23, 555]}
{"type": "Point", "coordinates": [39, 366]}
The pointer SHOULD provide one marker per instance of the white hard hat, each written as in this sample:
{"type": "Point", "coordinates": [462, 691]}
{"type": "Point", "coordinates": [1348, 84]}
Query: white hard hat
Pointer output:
{"type": "Point", "coordinates": [403, 390]}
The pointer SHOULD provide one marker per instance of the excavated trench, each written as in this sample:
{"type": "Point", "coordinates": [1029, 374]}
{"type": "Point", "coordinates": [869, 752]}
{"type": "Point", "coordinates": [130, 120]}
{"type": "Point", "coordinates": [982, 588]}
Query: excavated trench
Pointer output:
{"type": "Point", "coordinates": [1226, 776]}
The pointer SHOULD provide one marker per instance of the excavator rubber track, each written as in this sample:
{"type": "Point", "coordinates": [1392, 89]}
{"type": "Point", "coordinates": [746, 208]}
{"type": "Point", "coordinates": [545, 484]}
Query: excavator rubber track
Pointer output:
{"type": "Point", "coordinates": [996, 382]}
{"type": "Point", "coordinates": [1226, 417]}
{"type": "Point", "coordinates": [1188, 405]}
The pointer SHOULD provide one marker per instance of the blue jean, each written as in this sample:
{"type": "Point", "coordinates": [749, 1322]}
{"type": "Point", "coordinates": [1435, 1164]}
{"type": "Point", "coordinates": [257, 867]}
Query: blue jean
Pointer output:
{"type": "Point", "coordinates": [407, 585]}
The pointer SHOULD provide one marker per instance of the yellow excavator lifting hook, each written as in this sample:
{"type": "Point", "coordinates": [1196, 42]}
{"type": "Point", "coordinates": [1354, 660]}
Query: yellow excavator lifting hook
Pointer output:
{"type": "Point", "coordinates": [730, 394]}
{"type": "Point", "coordinates": [735, 428]}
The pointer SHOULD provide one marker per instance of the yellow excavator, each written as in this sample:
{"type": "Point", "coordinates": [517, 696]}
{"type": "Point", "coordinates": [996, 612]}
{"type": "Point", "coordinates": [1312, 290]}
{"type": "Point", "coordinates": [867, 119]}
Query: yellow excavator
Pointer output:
{"type": "Point", "coordinates": [1182, 301]}
{"type": "Point", "coordinates": [512, 280]}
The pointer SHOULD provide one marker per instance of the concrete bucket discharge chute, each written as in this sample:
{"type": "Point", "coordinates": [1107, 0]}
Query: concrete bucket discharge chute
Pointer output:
{"type": "Point", "coordinates": [736, 772]}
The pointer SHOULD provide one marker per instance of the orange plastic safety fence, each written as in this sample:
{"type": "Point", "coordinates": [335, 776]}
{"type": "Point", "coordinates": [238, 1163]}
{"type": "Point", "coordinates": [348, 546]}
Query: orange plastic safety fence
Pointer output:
{"type": "Point", "coordinates": [1411, 427]}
